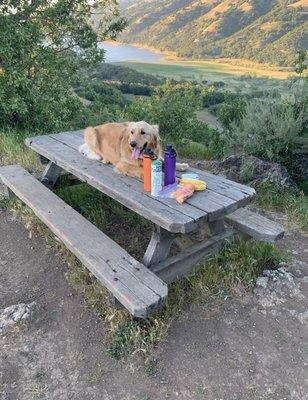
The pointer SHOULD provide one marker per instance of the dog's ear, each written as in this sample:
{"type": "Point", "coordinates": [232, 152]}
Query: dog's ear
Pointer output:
{"type": "Point", "coordinates": [156, 128]}
{"type": "Point", "coordinates": [156, 138]}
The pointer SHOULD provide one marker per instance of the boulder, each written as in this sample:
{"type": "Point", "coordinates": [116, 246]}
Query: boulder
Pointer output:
{"type": "Point", "coordinates": [249, 170]}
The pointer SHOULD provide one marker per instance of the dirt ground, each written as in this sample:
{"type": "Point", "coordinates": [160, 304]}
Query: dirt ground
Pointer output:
{"type": "Point", "coordinates": [250, 347]}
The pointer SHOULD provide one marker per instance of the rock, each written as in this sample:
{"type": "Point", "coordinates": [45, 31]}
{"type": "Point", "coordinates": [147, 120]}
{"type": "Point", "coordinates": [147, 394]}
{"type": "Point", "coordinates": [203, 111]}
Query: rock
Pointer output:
{"type": "Point", "coordinates": [276, 286]}
{"type": "Point", "coordinates": [15, 314]}
{"type": "Point", "coordinates": [249, 170]}
{"type": "Point", "coordinates": [262, 281]}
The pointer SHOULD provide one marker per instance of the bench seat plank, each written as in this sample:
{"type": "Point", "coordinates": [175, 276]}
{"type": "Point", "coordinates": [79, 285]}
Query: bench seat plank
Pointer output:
{"type": "Point", "coordinates": [137, 288]}
{"type": "Point", "coordinates": [255, 225]}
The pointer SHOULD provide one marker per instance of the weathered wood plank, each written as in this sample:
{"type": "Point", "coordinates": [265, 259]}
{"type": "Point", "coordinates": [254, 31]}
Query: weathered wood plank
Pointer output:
{"type": "Point", "coordinates": [176, 267]}
{"type": "Point", "coordinates": [203, 206]}
{"type": "Point", "coordinates": [255, 225]}
{"type": "Point", "coordinates": [159, 246]}
{"type": "Point", "coordinates": [138, 289]}
{"type": "Point", "coordinates": [50, 175]}
{"type": "Point", "coordinates": [221, 198]}
{"type": "Point", "coordinates": [123, 189]}
{"type": "Point", "coordinates": [234, 190]}
{"type": "Point", "coordinates": [75, 139]}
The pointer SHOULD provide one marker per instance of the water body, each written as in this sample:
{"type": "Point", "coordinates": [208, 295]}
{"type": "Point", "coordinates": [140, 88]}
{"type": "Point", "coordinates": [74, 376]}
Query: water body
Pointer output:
{"type": "Point", "coordinates": [118, 52]}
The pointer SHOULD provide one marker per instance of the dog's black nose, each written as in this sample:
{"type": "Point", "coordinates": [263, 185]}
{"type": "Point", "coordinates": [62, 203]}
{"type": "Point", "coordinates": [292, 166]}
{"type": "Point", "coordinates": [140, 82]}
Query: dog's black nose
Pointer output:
{"type": "Point", "coordinates": [133, 143]}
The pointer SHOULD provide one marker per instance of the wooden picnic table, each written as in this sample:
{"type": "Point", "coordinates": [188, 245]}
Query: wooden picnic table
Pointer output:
{"type": "Point", "coordinates": [222, 202]}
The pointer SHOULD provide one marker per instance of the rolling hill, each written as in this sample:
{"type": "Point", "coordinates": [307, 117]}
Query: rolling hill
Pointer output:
{"type": "Point", "coordinates": [267, 31]}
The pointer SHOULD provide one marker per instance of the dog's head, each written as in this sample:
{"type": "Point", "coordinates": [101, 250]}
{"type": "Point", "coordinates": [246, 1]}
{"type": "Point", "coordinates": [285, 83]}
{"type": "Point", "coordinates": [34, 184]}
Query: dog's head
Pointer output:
{"type": "Point", "coordinates": [142, 135]}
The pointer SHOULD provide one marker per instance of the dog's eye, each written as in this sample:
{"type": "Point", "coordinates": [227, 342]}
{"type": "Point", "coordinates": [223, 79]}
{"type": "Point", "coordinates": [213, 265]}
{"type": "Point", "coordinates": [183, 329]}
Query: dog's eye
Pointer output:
{"type": "Point", "coordinates": [132, 132]}
{"type": "Point", "coordinates": [142, 132]}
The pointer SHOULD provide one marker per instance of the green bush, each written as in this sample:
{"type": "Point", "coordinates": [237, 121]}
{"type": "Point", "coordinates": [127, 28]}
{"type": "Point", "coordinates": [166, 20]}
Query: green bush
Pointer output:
{"type": "Point", "coordinates": [172, 107]}
{"type": "Point", "coordinates": [271, 126]}
{"type": "Point", "coordinates": [231, 110]}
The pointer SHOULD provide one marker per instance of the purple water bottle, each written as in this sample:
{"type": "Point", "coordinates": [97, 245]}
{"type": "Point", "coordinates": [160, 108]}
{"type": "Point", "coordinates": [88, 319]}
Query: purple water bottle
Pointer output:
{"type": "Point", "coordinates": [169, 165]}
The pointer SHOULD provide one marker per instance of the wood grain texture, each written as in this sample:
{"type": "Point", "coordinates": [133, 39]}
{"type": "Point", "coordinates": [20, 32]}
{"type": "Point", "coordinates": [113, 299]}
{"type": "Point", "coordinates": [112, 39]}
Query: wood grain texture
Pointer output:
{"type": "Point", "coordinates": [208, 205]}
{"type": "Point", "coordinates": [159, 246]}
{"type": "Point", "coordinates": [50, 175]}
{"type": "Point", "coordinates": [255, 225]}
{"type": "Point", "coordinates": [75, 139]}
{"type": "Point", "coordinates": [126, 190]}
{"type": "Point", "coordinates": [178, 266]}
{"type": "Point", "coordinates": [221, 198]}
{"type": "Point", "coordinates": [137, 288]}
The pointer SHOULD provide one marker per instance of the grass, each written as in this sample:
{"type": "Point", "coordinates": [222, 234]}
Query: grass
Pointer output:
{"type": "Point", "coordinates": [236, 268]}
{"type": "Point", "coordinates": [238, 79]}
{"type": "Point", "coordinates": [293, 206]}
{"type": "Point", "coordinates": [13, 150]}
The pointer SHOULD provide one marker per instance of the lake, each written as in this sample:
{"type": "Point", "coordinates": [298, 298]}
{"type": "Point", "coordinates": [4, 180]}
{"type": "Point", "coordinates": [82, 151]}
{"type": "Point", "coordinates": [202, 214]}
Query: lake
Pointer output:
{"type": "Point", "coordinates": [118, 52]}
{"type": "Point", "coordinates": [151, 62]}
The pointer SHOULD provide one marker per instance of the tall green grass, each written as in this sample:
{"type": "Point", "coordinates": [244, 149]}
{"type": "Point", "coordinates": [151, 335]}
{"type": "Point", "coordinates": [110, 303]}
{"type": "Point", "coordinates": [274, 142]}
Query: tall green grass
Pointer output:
{"type": "Point", "coordinates": [293, 206]}
{"type": "Point", "coordinates": [14, 151]}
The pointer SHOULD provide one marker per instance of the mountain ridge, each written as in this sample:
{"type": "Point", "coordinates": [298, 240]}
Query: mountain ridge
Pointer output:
{"type": "Point", "coordinates": [266, 31]}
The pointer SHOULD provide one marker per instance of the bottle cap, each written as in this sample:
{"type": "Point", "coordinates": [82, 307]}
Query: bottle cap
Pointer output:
{"type": "Point", "coordinates": [149, 153]}
{"type": "Point", "coordinates": [171, 150]}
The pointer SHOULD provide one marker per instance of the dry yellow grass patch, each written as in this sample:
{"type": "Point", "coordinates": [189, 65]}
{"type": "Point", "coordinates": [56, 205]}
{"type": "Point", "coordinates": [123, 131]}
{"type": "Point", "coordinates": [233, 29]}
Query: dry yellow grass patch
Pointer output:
{"type": "Point", "coordinates": [300, 3]}
{"type": "Point", "coordinates": [246, 6]}
{"type": "Point", "coordinates": [269, 26]}
{"type": "Point", "coordinates": [222, 7]}
{"type": "Point", "coordinates": [211, 28]}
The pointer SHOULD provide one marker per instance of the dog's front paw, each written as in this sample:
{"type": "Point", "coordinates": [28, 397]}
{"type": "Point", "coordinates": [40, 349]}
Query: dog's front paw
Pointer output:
{"type": "Point", "coordinates": [118, 170]}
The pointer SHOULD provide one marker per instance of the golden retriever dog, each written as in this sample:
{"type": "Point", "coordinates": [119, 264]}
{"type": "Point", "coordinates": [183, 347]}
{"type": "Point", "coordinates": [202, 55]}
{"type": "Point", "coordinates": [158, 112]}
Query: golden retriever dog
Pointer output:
{"type": "Point", "coordinates": [122, 144]}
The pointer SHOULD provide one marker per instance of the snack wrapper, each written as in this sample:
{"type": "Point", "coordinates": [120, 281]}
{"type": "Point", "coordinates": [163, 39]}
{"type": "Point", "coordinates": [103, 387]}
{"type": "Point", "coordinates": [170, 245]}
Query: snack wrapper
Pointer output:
{"type": "Point", "coordinates": [184, 193]}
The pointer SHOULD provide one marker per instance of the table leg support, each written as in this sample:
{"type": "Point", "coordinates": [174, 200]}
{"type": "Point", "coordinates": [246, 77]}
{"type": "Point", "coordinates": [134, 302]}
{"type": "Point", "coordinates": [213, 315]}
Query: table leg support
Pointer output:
{"type": "Point", "coordinates": [159, 246]}
{"type": "Point", "coordinates": [217, 227]}
{"type": "Point", "coordinates": [50, 175]}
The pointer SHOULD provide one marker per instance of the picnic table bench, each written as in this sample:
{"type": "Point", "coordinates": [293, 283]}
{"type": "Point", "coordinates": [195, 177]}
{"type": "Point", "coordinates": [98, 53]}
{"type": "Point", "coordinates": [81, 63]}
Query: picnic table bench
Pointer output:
{"type": "Point", "coordinates": [140, 286]}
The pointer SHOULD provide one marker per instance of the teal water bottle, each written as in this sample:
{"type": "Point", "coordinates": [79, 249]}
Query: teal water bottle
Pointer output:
{"type": "Point", "coordinates": [156, 177]}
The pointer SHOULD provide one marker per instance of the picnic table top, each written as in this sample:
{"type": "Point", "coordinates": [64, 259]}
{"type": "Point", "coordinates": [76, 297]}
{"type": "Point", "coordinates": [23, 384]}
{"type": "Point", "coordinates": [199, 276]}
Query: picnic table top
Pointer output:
{"type": "Point", "coordinates": [222, 197]}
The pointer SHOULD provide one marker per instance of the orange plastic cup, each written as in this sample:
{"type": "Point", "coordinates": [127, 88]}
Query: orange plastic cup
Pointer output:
{"type": "Point", "coordinates": [147, 173]}
{"type": "Point", "coordinates": [148, 156]}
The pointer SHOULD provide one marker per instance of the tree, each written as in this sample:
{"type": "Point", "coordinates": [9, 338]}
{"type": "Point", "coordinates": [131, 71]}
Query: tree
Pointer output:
{"type": "Point", "coordinates": [301, 65]}
{"type": "Point", "coordinates": [44, 44]}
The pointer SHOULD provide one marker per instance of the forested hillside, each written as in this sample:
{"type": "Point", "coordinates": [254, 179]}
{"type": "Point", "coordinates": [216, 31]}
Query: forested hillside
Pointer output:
{"type": "Point", "coordinates": [267, 31]}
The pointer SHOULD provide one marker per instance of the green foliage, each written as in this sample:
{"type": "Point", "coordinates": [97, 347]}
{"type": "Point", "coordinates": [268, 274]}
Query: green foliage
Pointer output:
{"type": "Point", "coordinates": [231, 110]}
{"type": "Point", "coordinates": [42, 48]}
{"type": "Point", "coordinates": [301, 65]}
{"type": "Point", "coordinates": [14, 151]}
{"type": "Point", "coordinates": [270, 126]}
{"type": "Point", "coordinates": [119, 73]}
{"type": "Point", "coordinates": [293, 205]}
{"type": "Point", "coordinates": [172, 107]}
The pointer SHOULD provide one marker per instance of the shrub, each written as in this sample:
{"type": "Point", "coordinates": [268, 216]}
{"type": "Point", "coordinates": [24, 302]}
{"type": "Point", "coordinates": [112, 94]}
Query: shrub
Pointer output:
{"type": "Point", "coordinates": [270, 127]}
{"type": "Point", "coordinates": [173, 108]}
{"type": "Point", "coordinates": [231, 110]}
